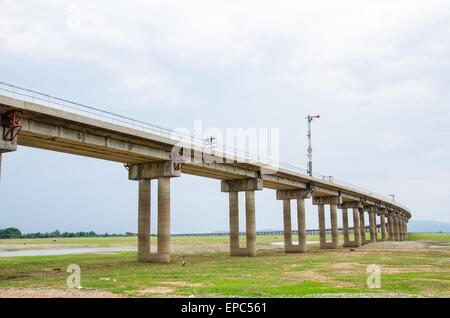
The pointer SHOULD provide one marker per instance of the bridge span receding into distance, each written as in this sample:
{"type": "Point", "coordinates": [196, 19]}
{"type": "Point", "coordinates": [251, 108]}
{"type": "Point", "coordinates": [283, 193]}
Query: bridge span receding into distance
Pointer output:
{"type": "Point", "coordinates": [37, 120]}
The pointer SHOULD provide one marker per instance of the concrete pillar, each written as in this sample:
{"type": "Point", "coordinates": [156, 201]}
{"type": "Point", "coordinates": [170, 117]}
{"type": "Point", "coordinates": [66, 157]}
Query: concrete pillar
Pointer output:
{"type": "Point", "coordinates": [333, 201]}
{"type": "Point", "coordinates": [345, 226]}
{"type": "Point", "coordinates": [334, 226]}
{"type": "Point", "coordinates": [356, 228]}
{"type": "Point", "coordinates": [362, 226]}
{"type": "Point", "coordinates": [322, 229]}
{"type": "Point", "coordinates": [396, 228]}
{"type": "Point", "coordinates": [251, 225]}
{"type": "Point", "coordinates": [405, 222]}
{"type": "Point", "coordinates": [287, 225]}
{"type": "Point", "coordinates": [300, 195]}
{"type": "Point", "coordinates": [373, 227]}
{"type": "Point", "coordinates": [144, 220]}
{"type": "Point", "coordinates": [144, 173]}
{"type": "Point", "coordinates": [402, 226]}
{"type": "Point", "coordinates": [163, 254]}
{"type": "Point", "coordinates": [233, 187]}
{"type": "Point", "coordinates": [383, 226]}
{"type": "Point", "coordinates": [391, 227]}
{"type": "Point", "coordinates": [406, 229]}
{"type": "Point", "coordinates": [235, 249]}
{"type": "Point", "coordinates": [301, 220]}
{"type": "Point", "coordinates": [234, 220]}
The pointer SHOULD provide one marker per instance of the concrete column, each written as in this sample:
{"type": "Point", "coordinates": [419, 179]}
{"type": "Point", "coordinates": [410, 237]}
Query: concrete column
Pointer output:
{"type": "Point", "coordinates": [163, 171]}
{"type": "Point", "coordinates": [233, 187]}
{"type": "Point", "coordinates": [234, 221]}
{"type": "Point", "coordinates": [322, 229]}
{"type": "Point", "coordinates": [405, 222]}
{"type": "Point", "coordinates": [390, 228]}
{"type": "Point", "coordinates": [402, 224]}
{"type": "Point", "coordinates": [301, 219]}
{"type": "Point", "coordinates": [396, 228]}
{"type": "Point", "coordinates": [406, 229]}
{"type": "Point", "coordinates": [400, 228]}
{"type": "Point", "coordinates": [144, 219]}
{"type": "Point", "coordinates": [251, 226]}
{"type": "Point", "coordinates": [345, 226]}
{"type": "Point", "coordinates": [163, 254]}
{"type": "Point", "coordinates": [356, 228]}
{"type": "Point", "coordinates": [362, 226]}
{"type": "Point", "coordinates": [287, 225]}
{"type": "Point", "coordinates": [286, 196]}
{"type": "Point", "coordinates": [373, 227]}
{"type": "Point", "coordinates": [383, 227]}
{"type": "Point", "coordinates": [334, 226]}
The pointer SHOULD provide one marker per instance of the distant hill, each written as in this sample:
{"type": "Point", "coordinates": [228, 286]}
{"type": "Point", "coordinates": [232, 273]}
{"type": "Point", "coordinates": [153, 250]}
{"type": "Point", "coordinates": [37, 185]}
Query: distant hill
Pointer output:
{"type": "Point", "coordinates": [426, 226]}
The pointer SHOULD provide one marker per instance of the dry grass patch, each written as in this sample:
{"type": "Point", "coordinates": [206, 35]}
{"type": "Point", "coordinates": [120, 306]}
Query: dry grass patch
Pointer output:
{"type": "Point", "coordinates": [155, 290]}
{"type": "Point", "coordinates": [413, 269]}
{"type": "Point", "coordinates": [55, 293]}
{"type": "Point", "coordinates": [182, 284]}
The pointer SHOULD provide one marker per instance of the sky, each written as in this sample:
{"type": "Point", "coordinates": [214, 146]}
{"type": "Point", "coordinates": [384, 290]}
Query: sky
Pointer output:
{"type": "Point", "coordinates": [378, 73]}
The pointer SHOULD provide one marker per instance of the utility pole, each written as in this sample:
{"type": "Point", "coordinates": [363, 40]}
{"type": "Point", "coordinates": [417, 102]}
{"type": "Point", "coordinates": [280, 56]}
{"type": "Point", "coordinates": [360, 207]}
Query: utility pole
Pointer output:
{"type": "Point", "coordinates": [310, 119]}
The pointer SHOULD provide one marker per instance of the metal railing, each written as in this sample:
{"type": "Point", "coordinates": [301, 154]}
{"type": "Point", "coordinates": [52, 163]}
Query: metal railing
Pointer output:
{"type": "Point", "coordinates": [32, 96]}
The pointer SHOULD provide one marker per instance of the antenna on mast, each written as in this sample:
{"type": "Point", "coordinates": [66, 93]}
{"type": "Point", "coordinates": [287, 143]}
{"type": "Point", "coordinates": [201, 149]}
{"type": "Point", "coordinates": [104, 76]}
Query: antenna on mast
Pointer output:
{"type": "Point", "coordinates": [310, 119]}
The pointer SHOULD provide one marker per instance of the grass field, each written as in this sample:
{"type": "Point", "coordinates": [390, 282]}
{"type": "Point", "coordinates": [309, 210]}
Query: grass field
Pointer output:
{"type": "Point", "coordinates": [413, 271]}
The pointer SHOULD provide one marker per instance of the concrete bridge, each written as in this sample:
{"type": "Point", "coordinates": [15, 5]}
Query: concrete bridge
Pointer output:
{"type": "Point", "coordinates": [149, 152]}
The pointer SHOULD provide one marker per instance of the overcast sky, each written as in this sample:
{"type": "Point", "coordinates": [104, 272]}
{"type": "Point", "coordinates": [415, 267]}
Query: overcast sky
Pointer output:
{"type": "Point", "coordinates": [378, 73]}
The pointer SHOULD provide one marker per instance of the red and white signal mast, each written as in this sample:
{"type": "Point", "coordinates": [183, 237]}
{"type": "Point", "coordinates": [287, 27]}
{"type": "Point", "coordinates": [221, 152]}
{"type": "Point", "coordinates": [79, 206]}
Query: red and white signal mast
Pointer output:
{"type": "Point", "coordinates": [310, 119]}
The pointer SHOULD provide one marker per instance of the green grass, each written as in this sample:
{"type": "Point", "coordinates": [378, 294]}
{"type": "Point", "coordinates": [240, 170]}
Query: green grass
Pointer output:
{"type": "Point", "coordinates": [429, 236]}
{"type": "Point", "coordinates": [272, 273]}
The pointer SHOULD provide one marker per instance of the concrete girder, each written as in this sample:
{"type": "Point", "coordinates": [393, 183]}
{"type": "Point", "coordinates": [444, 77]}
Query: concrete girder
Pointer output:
{"type": "Point", "coordinates": [293, 194]}
{"type": "Point", "coordinates": [153, 170]}
{"type": "Point", "coordinates": [351, 205]}
{"type": "Point", "coordinates": [237, 185]}
{"type": "Point", "coordinates": [327, 200]}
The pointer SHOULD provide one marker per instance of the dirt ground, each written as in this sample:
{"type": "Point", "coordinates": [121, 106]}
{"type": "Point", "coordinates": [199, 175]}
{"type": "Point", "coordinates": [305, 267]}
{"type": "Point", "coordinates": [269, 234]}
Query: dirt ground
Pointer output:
{"type": "Point", "coordinates": [402, 245]}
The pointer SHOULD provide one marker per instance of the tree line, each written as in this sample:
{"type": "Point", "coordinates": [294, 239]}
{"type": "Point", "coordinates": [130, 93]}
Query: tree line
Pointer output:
{"type": "Point", "coordinates": [13, 233]}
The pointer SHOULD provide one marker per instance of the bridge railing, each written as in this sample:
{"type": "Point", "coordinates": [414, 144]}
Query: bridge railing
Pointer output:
{"type": "Point", "coordinates": [96, 113]}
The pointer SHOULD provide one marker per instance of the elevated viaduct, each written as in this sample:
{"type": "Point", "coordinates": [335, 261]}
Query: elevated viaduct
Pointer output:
{"type": "Point", "coordinates": [149, 152]}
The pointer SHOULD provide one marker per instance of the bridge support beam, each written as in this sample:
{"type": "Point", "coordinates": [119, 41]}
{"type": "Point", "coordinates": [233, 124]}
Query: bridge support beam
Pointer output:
{"type": "Point", "coordinates": [390, 227]}
{"type": "Point", "coordinates": [362, 227]}
{"type": "Point", "coordinates": [286, 196]}
{"type": "Point", "coordinates": [403, 224]}
{"type": "Point", "coordinates": [345, 227]}
{"type": "Point", "coordinates": [396, 228]}
{"type": "Point", "coordinates": [382, 215]}
{"type": "Point", "coordinates": [162, 171]}
{"type": "Point", "coordinates": [406, 228]}
{"type": "Point", "coordinates": [356, 224]}
{"type": "Point", "coordinates": [372, 210]}
{"type": "Point", "coordinates": [233, 187]}
{"type": "Point", "coordinates": [400, 227]}
{"type": "Point", "coordinates": [333, 202]}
